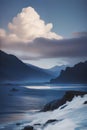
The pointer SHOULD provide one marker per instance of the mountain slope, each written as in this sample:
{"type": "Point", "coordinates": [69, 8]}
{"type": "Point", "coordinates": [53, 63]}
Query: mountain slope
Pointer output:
{"type": "Point", "coordinates": [14, 70]}
{"type": "Point", "coordinates": [56, 70]}
{"type": "Point", "coordinates": [76, 74]}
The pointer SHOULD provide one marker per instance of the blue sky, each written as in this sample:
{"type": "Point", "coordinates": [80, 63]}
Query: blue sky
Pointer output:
{"type": "Point", "coordinates": [68, 18]}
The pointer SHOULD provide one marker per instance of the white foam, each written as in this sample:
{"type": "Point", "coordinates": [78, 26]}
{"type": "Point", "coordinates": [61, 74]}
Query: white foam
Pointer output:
{"type": "Point", "coordinates": [66, 124]}
{"type": "Point", "coordinates": [71, 117]}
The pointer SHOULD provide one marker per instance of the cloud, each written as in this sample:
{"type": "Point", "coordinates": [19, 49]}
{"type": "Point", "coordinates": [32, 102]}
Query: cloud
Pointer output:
{"type": "Point", "coordinates": [80, 34]}
{"type": "Point", "coordinates": [30, 38]}
{"type": "Point", "coordinates": [49, 48]}
{"type": "Point", "coordinates": [2, 33]}
{"type": "Point", "coordinates": [28, 25]}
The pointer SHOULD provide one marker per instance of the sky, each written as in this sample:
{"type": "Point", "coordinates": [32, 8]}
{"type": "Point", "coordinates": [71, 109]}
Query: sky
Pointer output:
{"type": "Point", "coordinates": [44, 32]}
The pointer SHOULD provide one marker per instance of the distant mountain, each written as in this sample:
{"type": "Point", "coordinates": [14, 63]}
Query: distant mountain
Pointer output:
{"type": "Point", "coordinates": [14, 70]}
{"type": "Point", "coordinates": [56, 70]}
{"type": "Point", "coordinates": [76, 74]}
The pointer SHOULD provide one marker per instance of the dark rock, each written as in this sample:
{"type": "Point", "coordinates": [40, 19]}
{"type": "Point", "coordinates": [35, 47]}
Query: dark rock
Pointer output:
{"type": "Point", "coordinates": [69, 95]}
{"type": "Point", "coordinates": [63, 106]}
{"type": "Point", "coordinates": [14, 90]}
{"type": "Point", "coordinates": [28, 128]}
{"type": "Point", "coordinates": [18, 123]}
{"type": "Point", "coordinates": [37, 124]}
{"type": "Point", "coordinates": [85, 102]}
{"type": "Point", "coordinates": [50, 121]}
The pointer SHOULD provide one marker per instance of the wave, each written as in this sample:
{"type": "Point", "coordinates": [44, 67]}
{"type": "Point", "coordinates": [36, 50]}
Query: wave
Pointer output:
{"type": "Point", "coordinates": [71, 117]}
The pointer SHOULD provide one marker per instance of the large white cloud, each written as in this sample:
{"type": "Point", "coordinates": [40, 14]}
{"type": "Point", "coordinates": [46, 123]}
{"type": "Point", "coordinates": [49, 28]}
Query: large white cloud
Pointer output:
{"type": "Point", "coordinates": [25, 28]}
{"type": "Point", "coordinates": [28, 25]}
{"type": "Point", "coordinates": [29, 38]}
{"type": "Point", "coordinates": [2, 33]}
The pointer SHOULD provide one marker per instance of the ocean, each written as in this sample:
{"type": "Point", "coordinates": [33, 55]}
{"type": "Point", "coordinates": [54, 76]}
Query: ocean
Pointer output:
{"type": "Point", "coordinates": [20, 104]}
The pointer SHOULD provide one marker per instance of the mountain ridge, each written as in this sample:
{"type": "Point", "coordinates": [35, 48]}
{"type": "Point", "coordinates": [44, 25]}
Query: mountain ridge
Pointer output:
{"type": "Point", "coordinates": [75, 74]}
{"type": "Point", "coordinates": [14, 70]}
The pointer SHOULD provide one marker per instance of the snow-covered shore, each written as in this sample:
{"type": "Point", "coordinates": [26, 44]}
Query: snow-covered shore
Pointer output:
{"type": "Point", "coordinates": [70, 115]}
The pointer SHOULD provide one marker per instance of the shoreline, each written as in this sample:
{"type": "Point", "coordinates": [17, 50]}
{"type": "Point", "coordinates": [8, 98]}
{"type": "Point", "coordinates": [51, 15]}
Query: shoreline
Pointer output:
{"type": "Point", "coordinates": [21, 124]}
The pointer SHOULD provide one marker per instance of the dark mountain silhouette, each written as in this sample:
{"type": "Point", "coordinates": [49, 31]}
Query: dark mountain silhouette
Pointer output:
{"type": "Point", "coordinates": [76, 74]}
{"type": "Point", "coordinates": [14, 70]}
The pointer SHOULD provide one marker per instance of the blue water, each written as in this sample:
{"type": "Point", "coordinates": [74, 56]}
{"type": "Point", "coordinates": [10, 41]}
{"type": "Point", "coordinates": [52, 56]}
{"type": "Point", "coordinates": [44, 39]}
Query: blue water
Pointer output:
{"type": "Point", "coordinates": [16, 105]}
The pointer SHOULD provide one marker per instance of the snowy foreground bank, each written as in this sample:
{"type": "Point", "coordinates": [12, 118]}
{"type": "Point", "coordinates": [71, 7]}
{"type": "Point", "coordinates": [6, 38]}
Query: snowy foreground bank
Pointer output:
{"type": "Point", "coordinates": [66, 113]}
{"type": "Point", "coordinates": [69, 116]}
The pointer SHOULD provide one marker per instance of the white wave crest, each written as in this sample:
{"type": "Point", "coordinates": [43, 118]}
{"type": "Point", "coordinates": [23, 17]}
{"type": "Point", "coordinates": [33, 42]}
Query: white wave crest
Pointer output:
{"type": "Point", "coordinates": [71, 117]}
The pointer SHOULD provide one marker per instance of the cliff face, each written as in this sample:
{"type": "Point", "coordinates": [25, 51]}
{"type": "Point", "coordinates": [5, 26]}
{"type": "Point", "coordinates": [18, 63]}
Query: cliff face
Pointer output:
{"type": "Point", "coordinates": [76, 74]}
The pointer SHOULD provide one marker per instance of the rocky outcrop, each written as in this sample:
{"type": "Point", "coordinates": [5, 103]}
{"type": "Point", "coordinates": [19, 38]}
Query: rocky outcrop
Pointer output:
{"type": "Point", "coordinates": [85, 102]}
{"type": "Point", "coordinates": [50, 121]}
{"type": "Point", "coordinates": [28, 128]}
{"type": "Point", "coordinates": [75, 74]}
{"type": "Point", "coordinates": [69, 95]}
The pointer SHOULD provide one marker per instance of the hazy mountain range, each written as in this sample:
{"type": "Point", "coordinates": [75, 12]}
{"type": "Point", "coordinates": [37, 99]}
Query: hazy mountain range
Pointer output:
{"type": "Point", "coordinates": [75, 74]}
{"type": "Point", "coordinates": [13, 70]}
{"type": "Point", "coordinates": [56, 70]}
